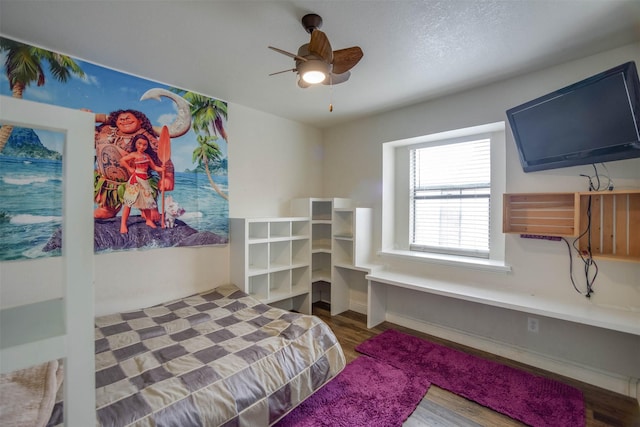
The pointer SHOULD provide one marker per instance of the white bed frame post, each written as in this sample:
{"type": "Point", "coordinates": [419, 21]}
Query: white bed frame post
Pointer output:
{"type": "Point", "coordinates": [76, 342]}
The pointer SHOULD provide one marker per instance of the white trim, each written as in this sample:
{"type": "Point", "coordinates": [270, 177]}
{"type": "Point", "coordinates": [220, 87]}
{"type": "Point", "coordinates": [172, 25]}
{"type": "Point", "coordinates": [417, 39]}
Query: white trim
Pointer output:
{"type": "Point", "coordinates": [627, 386]}
{"type": "Point", "coordinates": [450, 135]}
{"type": "Point", "coordinates": [451, 260]}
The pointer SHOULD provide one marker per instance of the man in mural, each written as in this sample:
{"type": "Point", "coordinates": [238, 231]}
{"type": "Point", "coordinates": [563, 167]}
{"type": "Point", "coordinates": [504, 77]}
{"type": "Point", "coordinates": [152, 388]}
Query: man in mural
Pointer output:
{"type": "Point", "coordinates": [114, 138]}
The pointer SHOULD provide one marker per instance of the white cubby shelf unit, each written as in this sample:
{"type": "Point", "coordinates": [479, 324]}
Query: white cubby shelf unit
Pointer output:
{"type": "Point", "coordinates": [271, 260]}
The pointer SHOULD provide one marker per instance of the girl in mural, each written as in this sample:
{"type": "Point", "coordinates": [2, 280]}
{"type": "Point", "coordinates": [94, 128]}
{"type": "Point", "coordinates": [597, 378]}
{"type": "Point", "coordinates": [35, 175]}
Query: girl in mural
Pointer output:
{"type": "Point", "coordinates": [115, 139]}
{"type": "Point", "coordinates": [138, 192]}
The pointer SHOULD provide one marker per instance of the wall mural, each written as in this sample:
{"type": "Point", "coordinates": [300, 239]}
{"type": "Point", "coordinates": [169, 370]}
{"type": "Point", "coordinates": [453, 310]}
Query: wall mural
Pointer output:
{"type": "Point", "coordinates": [160, 175]}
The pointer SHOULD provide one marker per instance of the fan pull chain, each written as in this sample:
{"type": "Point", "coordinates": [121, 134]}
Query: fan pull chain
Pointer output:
{"type": "Point", "coordinates": [330, 93]}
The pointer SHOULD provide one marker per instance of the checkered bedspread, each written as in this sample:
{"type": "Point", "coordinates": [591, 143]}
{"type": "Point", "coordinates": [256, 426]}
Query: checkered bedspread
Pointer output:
{"type": "Point", "coordinates": [220, 357]}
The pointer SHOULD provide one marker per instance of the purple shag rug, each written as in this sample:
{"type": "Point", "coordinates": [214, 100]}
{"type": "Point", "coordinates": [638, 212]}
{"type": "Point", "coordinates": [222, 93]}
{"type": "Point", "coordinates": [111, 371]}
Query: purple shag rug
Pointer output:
{"type": "Point", "coordinates": [368, 393]}
{"type": "Point", "coordinates": [531, 399]}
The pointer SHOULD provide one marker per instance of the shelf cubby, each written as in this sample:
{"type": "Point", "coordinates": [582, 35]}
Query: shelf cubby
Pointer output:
{"type": "Point", "coordinates": [258, 230]}
{"type": "Point", "coordinates": [321, 270]}
{"type": "Point", "coordinates": [300, 280]}
{"type": "Point", "coordinates": [258, 256]}
{"type": "Point", "coordinates": [279, 254]}
{"type": "Point", "coordinates": [343, 223]}
{"type": "Point", "coordinates": [279, 229]}
{"type": "Point", "coordinates": [279, 285]}
{"type": "Point", "coordinates": [321, 210]}
{"type": "Point", "coordinates": [300, 228]}
{"type": "Point", "coordinates": [259, 286]}
{"type": "Point", "coordinates": [321, 237]}
{"type": "Point", "coordinates": [300, 252]}
{"type": "Point", "coordinates": [342, 251]}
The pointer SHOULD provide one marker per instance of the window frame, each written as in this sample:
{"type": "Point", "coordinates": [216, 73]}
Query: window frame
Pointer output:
{"type": "Point", "coordinates": [395, 199]}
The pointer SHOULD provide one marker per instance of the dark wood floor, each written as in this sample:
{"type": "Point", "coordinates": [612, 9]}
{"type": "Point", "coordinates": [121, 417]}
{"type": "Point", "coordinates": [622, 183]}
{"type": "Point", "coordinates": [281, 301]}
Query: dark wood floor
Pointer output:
{"type": "Point", "coordinates": [441, 408]}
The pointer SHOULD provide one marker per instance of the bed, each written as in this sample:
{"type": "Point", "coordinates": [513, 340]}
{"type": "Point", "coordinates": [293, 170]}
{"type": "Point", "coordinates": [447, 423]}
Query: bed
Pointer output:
{"type": "Point", "coordinates": [216, 358]}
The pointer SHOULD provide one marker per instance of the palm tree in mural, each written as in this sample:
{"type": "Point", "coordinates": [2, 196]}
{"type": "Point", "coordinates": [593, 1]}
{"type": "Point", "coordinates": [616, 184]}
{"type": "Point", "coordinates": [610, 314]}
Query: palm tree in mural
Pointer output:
{"type": "Point", "coordinates": [207, 114]}
{"type": "Point", "coordinates": [24, 65]}
{"type": "Point", "coordinates": [207, 121]}
{"type": "Point", "coordinates": [208, 156]}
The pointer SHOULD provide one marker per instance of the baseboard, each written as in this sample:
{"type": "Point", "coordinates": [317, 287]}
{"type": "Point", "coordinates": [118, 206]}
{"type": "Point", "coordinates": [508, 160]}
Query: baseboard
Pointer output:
{"type": "Point", "coordinates": [358, 307]}
{"type": "Point", "coordinates": [627, 386]}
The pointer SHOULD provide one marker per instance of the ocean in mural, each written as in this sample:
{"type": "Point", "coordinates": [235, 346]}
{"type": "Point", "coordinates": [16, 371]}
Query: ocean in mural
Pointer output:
{"type": "Point", "coordinates": [29, 214]}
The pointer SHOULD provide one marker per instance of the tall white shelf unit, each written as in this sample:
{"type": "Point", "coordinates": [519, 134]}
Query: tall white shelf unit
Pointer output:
{"type": "Point", "coordinates": [271, 260]}
{"type": "Point", "coordinates": [60, 328]}
{"type": "Point", "coordinates": [351, 247]}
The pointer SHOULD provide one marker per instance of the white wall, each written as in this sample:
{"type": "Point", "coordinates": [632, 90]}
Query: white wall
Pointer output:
{"type": "Point", "coordinates": [271, 161]}
{"type": "Point", "coordinates": [538, 267]}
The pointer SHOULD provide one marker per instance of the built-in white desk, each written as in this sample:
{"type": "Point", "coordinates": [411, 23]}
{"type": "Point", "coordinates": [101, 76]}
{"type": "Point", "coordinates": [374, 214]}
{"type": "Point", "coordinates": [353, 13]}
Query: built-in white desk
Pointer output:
{"type": "Point", "coordinates": [380, 281]}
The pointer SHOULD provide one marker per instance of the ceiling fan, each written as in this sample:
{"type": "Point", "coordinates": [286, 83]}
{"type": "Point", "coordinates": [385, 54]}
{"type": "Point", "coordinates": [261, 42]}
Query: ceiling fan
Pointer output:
{"type": "Point", "coordinates": [316, 62]}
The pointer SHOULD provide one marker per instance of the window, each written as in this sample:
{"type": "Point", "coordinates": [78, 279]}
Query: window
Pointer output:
{"type": "Point", "coordinates": [450, 188]}
{"type": "Point", "coordinates": [443, 191]}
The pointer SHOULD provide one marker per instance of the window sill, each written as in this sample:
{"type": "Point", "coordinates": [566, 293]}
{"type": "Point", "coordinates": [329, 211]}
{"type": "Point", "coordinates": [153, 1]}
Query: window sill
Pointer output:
{"type": "Point", "coordinates": [450, 260]}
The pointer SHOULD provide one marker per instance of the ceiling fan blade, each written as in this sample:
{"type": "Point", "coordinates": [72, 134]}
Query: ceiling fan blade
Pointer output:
{"type": "Point", "coordinates": [320, 46]}
{"type": "Point", "coordinates": [335, 79]}
{"type": "Point", "coordinates": [289, 54]}
{"type": "Point", "coordinates": [283, 71]}
{"type": "Point", "coordinates": [346, 59]}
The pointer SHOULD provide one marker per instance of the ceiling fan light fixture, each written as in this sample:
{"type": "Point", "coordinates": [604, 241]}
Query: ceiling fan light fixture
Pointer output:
{"type": "Point", "coordinates": [314, 77]}
{"type": "Point", "coordinates": [313, 71]}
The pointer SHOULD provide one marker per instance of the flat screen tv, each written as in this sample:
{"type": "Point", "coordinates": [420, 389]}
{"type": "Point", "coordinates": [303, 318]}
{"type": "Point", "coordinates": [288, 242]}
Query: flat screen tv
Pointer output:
{"type": "Point", "coordinates": [592, 121]}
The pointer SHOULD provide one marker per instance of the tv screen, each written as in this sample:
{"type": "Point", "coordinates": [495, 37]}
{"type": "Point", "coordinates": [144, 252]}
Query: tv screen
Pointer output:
{"type": "Point", "coordinates": [592, 121]}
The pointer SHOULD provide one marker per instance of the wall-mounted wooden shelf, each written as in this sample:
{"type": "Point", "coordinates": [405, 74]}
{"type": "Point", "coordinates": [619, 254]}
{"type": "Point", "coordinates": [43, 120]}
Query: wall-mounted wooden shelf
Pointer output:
{"type": "Point", "coordinates": [549, 214]}
{"type": "Point", "coordinates": [606, 221]}
{"type": "Point", "coordinates": [614, 219]}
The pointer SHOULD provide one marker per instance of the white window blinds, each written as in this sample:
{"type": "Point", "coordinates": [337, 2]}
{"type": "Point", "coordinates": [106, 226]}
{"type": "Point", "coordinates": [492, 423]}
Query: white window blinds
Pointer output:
{"type": "Point", "coordinates": [450, 193]}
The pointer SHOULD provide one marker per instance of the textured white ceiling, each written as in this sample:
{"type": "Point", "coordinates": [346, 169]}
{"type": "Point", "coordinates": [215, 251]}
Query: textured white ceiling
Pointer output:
{"type": "Point", "coordinates": [413, 50]}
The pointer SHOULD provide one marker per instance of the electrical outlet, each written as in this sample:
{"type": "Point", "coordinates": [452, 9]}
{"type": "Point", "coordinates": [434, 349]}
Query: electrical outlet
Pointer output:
{"type": "Point", "coordinates": [533, 325]}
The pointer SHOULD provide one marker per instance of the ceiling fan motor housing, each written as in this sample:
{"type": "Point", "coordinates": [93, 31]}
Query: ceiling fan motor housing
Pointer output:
{"type": "Point", "coordinates": [311, 22]}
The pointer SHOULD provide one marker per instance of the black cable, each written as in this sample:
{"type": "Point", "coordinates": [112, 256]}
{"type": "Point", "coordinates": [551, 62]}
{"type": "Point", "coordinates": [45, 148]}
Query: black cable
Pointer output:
{"type": "Point", "coordinates": [600, 185]}
{"type": "Point", "coordinates": [573, 282]}
{"type": "Point", "coordinates": [597, 177]}
{"type": "Point", "coordinates": [610, 185]}
{"type": "Point", "coordinates": [590, 181]}
{"type": "Point", "coordinates": [588, 261]}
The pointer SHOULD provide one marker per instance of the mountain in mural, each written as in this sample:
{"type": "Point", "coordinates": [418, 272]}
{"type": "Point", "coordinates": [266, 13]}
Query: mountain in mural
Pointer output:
{"type": "Point", "coordinates": [25, 142]}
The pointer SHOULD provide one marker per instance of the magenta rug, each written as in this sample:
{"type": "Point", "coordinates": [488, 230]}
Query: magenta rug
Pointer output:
{"type": "Point", "coordinates": [368, 392]}
{"type": "Point", "coordinates": [528, 398]}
